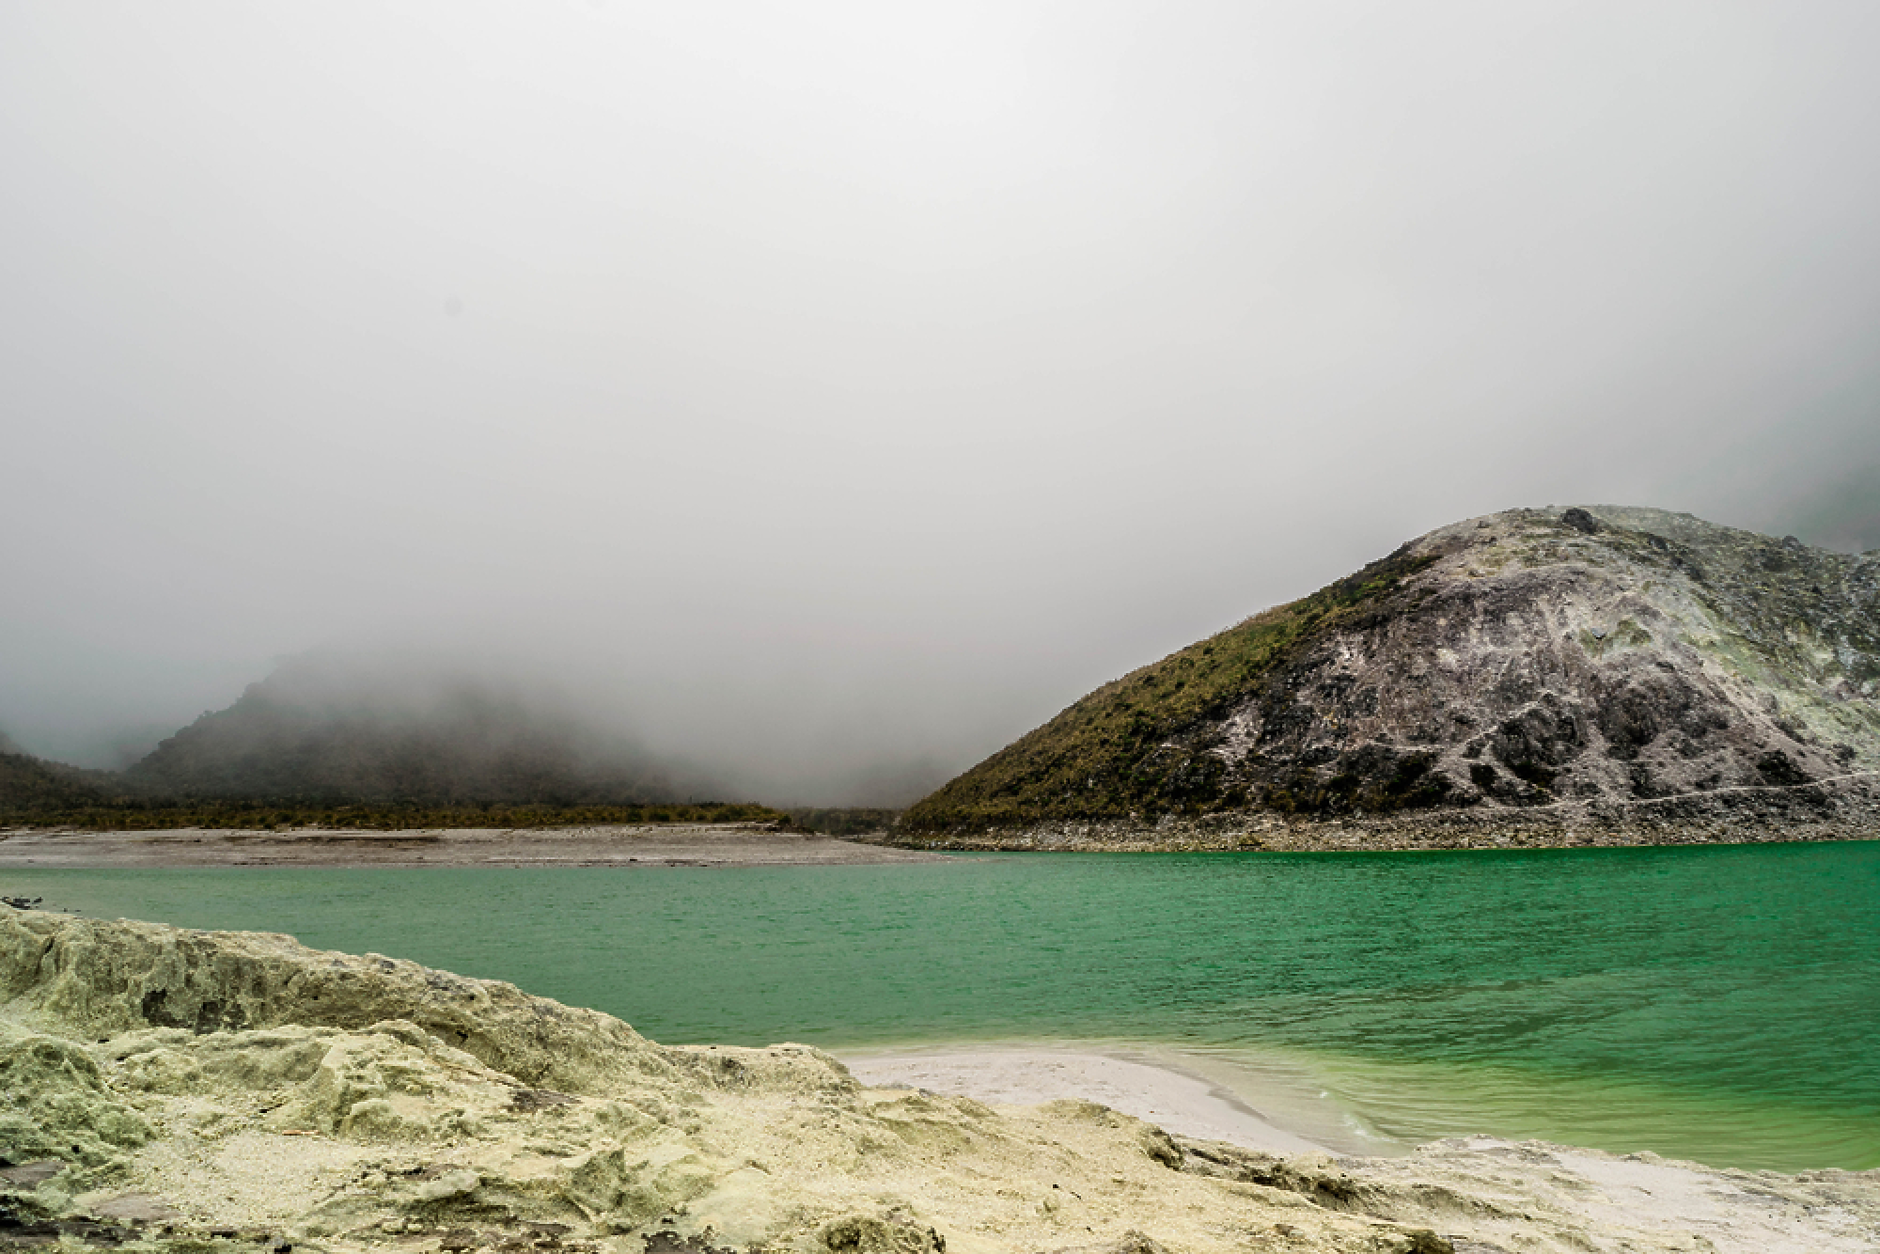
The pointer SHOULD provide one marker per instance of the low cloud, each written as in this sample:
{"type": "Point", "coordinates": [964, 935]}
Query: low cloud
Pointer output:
{"type": "Point", "coordinates": [828, 395]}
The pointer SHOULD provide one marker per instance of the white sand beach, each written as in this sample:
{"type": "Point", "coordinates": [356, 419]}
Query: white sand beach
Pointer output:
{"type": "Point", "coordinates": [1145, 1087]}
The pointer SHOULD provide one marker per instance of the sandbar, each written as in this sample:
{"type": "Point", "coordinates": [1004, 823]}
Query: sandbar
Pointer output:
{"type": "Point", "coordinates": [652, 845]}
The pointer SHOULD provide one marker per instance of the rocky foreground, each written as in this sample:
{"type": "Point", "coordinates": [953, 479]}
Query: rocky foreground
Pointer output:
{"type": "Point", "coordinates": [177, 1090]}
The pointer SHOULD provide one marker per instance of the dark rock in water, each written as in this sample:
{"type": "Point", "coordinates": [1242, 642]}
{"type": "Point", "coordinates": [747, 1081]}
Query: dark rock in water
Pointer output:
{"type": "Point", "coordinates": [1583, 665]}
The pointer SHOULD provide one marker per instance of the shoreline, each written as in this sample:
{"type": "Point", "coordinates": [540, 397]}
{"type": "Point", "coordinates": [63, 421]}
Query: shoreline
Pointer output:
{"type": "Point", "coordinates": [735, 845]}
{"type": "Point", "coordinates": [650, 845]}
{"type": "Point", "coordinates": [1843, 808]}
{"type": "Point", "coordinates": [1164, 1087]}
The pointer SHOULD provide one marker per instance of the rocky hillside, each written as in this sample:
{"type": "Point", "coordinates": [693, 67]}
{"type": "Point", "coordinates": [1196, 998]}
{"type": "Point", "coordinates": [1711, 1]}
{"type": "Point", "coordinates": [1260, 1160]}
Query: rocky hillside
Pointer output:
{"type": "Point", "coordinates": [1588, 660]}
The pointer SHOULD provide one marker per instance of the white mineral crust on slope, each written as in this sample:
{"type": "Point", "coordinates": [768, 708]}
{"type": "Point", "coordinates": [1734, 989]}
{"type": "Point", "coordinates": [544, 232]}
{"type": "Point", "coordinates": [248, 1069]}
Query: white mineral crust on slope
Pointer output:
{"type": "Point", "coordinates": [168, 1089]}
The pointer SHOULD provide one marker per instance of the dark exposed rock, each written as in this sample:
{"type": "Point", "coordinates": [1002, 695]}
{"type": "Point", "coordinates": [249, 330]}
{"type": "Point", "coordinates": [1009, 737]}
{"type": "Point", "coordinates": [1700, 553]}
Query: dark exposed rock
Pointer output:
{"type": "Point", "coordinates": [1319, 1180]}
{"type": "Point", "coordinates": [1131, 1242]}
{"type": "Point", "coordinates": [662, 1241]}
{"type": "Point", "coordinates": [1580, 520]}
{"type": "Point", "coordinates": [867, 1234]}
{"type": "Point", "coordinates": [527, 1100]}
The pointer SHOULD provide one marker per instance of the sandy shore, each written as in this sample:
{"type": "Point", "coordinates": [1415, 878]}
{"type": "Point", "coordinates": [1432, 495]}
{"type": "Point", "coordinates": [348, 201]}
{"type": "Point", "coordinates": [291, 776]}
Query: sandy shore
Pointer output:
{"type": "Point", "coordinates": [728, 844]}
{"type": "Point", "coordinates": [1184, 1103]}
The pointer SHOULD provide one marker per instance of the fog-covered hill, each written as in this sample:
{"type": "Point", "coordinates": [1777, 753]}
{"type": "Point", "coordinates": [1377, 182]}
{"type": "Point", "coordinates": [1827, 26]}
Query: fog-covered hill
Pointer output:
{"type": "Point", "coordinates": [331, 728]}
{"type": "Point", "coordinates": [334, 737]}
{"type": "Point", "coordinates": [30, 786]}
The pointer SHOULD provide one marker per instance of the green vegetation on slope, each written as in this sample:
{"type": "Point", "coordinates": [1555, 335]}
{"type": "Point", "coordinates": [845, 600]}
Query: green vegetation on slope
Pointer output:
{"type": "Point", "coordinates": [29, 785]}
{"type": "Point", "coordinates": [842, 820]}
{"type": "Point", "coordinates": [36, 793]}
{"type": "Point", "coordinates": [130, 815]}
{"type": "Point", "coordinates": [1108, 756]}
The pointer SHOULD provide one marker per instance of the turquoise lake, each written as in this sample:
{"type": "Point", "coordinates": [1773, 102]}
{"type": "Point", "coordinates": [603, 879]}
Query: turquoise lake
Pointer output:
{"type": "Point", "coordinates": [1721, 1004]}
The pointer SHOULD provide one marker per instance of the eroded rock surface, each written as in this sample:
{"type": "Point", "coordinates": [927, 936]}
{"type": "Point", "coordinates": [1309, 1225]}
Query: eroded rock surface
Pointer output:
{"type": "Point", "coordinates": [176, 1090]}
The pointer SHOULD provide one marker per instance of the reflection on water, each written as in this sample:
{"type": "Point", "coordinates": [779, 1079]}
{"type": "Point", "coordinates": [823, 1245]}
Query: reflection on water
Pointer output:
{"type": "Point", "coordinates": [1717, 1004]}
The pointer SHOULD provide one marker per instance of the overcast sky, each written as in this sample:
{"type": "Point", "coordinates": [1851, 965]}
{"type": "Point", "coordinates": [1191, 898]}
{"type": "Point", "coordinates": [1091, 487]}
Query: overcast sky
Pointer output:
{"type": "Point", "coordinates": [839, 390]}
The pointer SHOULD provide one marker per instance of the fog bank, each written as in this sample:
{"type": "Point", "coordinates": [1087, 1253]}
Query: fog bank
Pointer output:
{"type": "Point", "coordinates": [829, 393]}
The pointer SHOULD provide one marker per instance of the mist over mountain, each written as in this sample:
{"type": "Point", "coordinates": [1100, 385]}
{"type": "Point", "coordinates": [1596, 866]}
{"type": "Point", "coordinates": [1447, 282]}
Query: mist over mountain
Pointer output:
{"type": "Point", "coordinates": [443, 727]}
{"type": "Point", "coordinates": [333, 727]}
{"type": "Point", "coordinates": [839, 389]}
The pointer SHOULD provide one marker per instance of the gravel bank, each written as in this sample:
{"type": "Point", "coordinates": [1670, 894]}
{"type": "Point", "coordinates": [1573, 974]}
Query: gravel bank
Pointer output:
{"type": "Point", "coordinates": [674, 845]}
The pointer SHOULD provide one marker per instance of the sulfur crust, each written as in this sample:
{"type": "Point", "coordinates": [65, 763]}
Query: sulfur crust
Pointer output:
{"type": "Point", "coordinates": [179, 1090]}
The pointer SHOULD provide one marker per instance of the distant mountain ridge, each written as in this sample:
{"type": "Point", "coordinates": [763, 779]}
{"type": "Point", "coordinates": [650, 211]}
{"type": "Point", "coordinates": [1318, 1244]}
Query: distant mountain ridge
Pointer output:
{"type": "Point", "coordinates": [30, 785]}
{"type": "Point", "coordinates": [325, 729]}
{"type": "Point", "coordinates": [333, 731]}
{"type": "Point", "coordinates": [1527, 659]}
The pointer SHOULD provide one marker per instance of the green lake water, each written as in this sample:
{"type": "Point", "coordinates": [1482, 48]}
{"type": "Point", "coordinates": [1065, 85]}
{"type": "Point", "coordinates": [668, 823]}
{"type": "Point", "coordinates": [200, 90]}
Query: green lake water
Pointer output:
{"type": "Point", "coordinates": [1720, 1004]}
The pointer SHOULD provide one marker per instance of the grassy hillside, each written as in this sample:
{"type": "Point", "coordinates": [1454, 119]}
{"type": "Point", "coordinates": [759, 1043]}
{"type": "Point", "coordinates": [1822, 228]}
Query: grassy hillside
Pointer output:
{"type": "Point", "coordinates": [842, 820]}
{"type": "Point", "coordinates": [1110, 755]}
{"type": "Point", "coordinates": [136, 815]}
{"type": "Point", "coordinates": [35, 793]}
